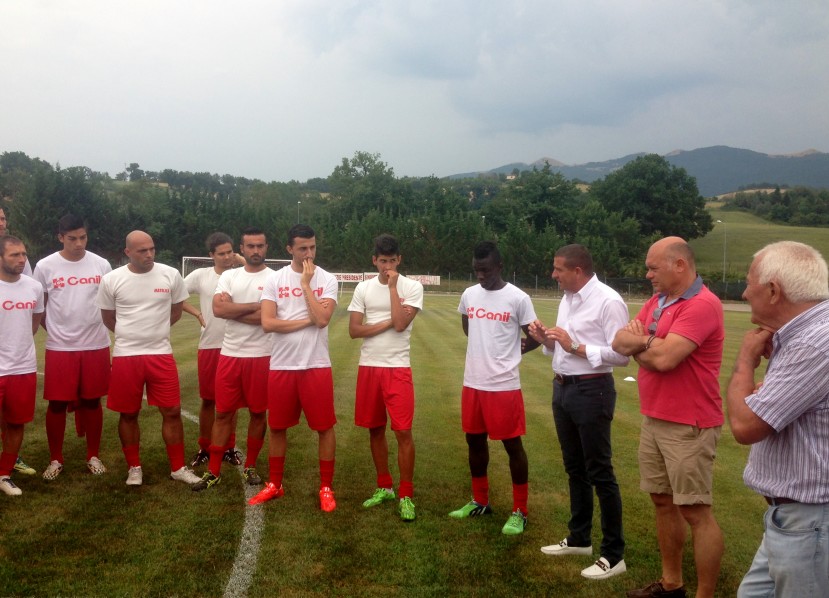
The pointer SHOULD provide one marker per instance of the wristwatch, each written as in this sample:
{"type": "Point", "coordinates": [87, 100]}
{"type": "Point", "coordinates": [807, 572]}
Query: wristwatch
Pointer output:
{"type": "Point", "coordinates": [574, 346]}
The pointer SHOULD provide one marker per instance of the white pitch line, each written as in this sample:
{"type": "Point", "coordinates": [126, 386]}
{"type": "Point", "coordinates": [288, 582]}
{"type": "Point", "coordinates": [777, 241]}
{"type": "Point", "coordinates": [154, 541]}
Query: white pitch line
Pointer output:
{"type": "Point", "coordinates": [244, 565]}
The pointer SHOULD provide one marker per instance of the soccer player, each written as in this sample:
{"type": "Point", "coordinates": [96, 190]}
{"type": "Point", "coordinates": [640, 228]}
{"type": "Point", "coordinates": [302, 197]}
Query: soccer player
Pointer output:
{"type": "Point", "coordinates": [140, 302]}
{"type": "Point", "coordinates": [21, 298]}
{"type": "Point", "coordinates": [77, 343]}
{"type": "Point", "coordinates": [19, 465]}
{"type": "Point", "coordinates": [4, 230]}
{"type": "Point", "coordinates": [242, 371]}
{"type": "Point", "coordinates": [493, 314]}
{"type": "Point", "coordinates": [297, 304]}
{"type": "Point", "coordinates": [381, 313]}
{"type": "Point", "coordinates": [202, 282]}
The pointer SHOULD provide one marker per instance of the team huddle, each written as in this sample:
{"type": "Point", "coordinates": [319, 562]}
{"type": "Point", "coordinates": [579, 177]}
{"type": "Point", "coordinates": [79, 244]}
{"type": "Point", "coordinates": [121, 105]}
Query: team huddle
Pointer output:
{"type": "Point", "coordinates": [264, 347]}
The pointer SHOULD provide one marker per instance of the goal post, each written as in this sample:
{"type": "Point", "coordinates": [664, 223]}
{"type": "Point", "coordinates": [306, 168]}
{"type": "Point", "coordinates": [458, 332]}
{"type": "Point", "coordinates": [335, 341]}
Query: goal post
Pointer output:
{"type": "Point", "coordinates": [190, 263]}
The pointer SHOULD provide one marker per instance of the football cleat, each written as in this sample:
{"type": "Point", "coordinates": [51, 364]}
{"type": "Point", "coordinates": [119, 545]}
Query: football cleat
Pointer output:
{"type": "Point", "coordinates": [208, 480]}
{"type": "Point", "coordinates": [53, 470]}
{"type": "Point", "coordinates": [471, 509]}
{"type": "Point", "coordinates": [21, 467]}
{"type": "Point", "coordinates": [269, 492]}
{"type": "Point", "coordinates": [515, 524]}
{"type": "Point", "coordinates": [327, 502]}
{"type": "Point", "coordinates": [406, 509]}
{"type": "Point", "coordinates": [380, 495]}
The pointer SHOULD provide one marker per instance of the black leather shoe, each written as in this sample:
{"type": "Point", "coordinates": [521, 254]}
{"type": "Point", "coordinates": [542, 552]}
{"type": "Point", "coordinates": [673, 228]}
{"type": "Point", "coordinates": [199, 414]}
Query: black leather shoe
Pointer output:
{"type": "Point", "coordinates": [657, 591]}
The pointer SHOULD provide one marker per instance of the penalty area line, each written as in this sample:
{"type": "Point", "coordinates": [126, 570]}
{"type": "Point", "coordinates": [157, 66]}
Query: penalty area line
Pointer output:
{"type": "Point", "coordinates": [247, 554]}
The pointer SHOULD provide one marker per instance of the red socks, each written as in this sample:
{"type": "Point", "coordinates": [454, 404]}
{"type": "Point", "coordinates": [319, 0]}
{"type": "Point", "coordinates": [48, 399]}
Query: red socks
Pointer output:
{"type": "Point", "coordinates": [326, 473]}
{"type": "Point", "coordinates": [519, 497]}
{"type": "Point", "coordinates": [175, 453]}
{"type": "Point", "coordinates": [480, 490]}
{"type": "Point", "coordinates": [254, 447]}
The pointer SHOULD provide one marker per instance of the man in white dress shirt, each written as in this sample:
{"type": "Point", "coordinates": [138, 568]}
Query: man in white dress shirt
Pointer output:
{"type": "Point", "coordinates": [584, 398]}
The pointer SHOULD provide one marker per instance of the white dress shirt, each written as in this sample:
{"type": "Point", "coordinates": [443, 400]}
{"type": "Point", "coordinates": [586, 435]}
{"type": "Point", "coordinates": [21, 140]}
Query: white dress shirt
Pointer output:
{"type": "Point", "coordinates": [592, 317]}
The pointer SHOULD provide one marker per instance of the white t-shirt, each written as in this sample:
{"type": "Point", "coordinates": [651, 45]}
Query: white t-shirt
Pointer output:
{"type": "Point", "coordinates": [493, 351]}
{"type": "Point", "coordinates": [73, 320]}
{"type": "Point", "coordinates": [389, 349]}
{"type": "Point", "coordinates": [142, 305]}
{"type": "Point", "coordinates": [202, 282]}
{"type": "Point", "coordinates": [244, 340]}
{"type": "Point", "coordinates": [27, 269]}
{"type": "Point", "coordinates": [18, 302]}
{"type": "Point", "coordinates": [307, 348]}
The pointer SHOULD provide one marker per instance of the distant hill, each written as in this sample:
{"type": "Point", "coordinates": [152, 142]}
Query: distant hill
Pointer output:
{"type": "Point", "coordinates": [718, 169]}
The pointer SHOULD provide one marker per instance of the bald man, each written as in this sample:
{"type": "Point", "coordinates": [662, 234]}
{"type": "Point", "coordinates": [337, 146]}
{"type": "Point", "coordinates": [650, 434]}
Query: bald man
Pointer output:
{"type": "Point", "coordinates": [677, 340]}
{"type": "Point", "coordinates": [140, 302]}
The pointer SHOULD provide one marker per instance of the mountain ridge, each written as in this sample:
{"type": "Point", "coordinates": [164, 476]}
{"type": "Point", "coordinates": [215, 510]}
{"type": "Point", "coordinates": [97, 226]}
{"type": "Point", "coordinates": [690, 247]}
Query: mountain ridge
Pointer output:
{"type": "Point", "coordinates": [718, 169]}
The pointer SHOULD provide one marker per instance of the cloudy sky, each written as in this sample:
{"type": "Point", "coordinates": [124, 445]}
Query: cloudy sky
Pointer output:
{"type": "Point", "coordinates": [284, 89]}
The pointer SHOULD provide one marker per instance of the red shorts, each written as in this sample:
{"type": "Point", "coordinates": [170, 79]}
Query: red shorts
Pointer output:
{"type": "Point", "coordinates": [242, 382]}
{"type": "Point", "coordinates": [17, 397]}
{"type": "Point", "coordinates": [293, 391]}
{"type": "Point", "coordinates": [73, 375]}
{"type": "Point", "coordinates": [379, 389]}
{"type": "Point", "coordinates": [131, 373]}
{"type": "Point", "coordinates": [208, 359]}
{"type": "Point", "coordinates": [497, 413]}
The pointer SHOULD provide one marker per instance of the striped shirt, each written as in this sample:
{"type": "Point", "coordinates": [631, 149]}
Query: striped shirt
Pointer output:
{"type": "Point", "coordinates": [794, 400]}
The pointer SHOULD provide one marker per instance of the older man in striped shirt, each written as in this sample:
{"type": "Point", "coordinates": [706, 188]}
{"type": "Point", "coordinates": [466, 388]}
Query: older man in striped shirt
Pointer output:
{"type": "Point", "coordinates": [786, 419]}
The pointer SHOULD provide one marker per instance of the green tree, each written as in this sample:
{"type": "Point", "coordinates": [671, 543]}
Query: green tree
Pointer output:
{"type": "Point", "coordinates": [664, 199]}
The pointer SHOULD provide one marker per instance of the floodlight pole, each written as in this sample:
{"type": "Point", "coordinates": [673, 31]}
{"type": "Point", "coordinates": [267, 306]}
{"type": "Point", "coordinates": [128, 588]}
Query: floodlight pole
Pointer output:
{"type": "Point", "coordinates": [297, 211]}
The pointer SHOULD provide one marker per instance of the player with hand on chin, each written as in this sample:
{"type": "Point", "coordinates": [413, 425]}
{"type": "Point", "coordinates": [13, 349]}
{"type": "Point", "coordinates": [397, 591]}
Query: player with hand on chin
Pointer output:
{"type": "Point", "coordinates": [298, 302]}
{"type": "Point", "coordinates": [381, 313]}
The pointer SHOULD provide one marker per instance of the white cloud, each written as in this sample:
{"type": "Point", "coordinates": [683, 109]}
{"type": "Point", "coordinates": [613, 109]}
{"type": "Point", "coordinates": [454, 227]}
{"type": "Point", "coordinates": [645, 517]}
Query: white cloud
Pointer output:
{"type": "Point", "coordinates": [283, 90]}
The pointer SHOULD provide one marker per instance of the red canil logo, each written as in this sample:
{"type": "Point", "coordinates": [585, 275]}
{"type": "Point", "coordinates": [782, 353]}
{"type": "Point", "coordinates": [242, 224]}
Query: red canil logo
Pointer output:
{"type": "Point", "coordinates": [482, 314]}
{"type": "Point", "coordinates": [9, 305]}
{"type": "Point", "coordinates": [72, 281]}
{"type": "Point", "coordinates": [286, 292]}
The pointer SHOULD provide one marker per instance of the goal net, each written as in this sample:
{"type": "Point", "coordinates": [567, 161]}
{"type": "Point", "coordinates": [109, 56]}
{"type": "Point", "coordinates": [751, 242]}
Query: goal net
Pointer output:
{"type": "Point", "coordinates": [190, 263]}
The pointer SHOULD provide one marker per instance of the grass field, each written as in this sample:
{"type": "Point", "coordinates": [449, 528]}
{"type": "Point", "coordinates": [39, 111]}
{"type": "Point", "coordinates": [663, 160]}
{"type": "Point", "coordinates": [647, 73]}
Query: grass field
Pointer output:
{"type": "Point", "coordinates": [94, 536]}
{"type": "Point", "coordinates": [744, 234]}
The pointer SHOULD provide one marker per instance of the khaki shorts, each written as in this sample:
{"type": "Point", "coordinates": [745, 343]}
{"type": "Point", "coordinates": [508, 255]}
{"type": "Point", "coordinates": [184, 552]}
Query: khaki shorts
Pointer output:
{"type": "Point", "coordinates": [678, 459]}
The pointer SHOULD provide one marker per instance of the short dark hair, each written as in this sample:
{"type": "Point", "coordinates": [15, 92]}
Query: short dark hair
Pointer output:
{"type": "Point", "coordinates": [577, 256]}
{"type": "Point", "coordinates": [7, 240]}
{"type": "Point", "coordinates": [385, 244]}
{"type": "Point", "coordinates": [216, 239]}
{"type": "Point", "coordinates": [485, 249]}
{"type": "Point", "coordinates": [70, 222]}
{"type": "Point", "coordinates": [303, 231]}
{"type": "Point", "coordinates": [252, 231]}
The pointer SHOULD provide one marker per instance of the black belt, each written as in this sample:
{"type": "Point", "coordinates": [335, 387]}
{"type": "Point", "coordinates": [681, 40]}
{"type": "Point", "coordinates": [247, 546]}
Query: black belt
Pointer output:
{"type": "Point", "coordinates": [780, 501]}
{"type": "Point", "coordinates": [573, 379]}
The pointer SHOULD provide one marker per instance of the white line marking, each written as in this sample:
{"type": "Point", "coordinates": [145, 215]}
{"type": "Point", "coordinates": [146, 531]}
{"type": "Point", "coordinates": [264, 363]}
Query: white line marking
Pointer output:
{"type": "Point", "coordinates": [244, 565]}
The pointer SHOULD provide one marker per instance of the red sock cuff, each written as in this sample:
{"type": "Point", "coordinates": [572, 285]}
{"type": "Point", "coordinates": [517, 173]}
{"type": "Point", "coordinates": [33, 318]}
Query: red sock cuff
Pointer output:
{"type": "Point", "coordinates": [254, 447]}
{"type": "Point", "coordinates": [215, 463]}
{"type": "Point", "coordinates": [480, 490]}
{"type": "Point", "coordinates": [204, 443]}
{"type": "Point", "coordinates": [276, 466]}
{"type": "Point", "coordinates": [384, 480]}
{"type": "Point", "coordinates": [132, 455]}
{"type": "Point", "coordinates": [519, 497]}
{"type": "Point", "coordinates": [406, 489]}
{"type": "Point", "coordinates": [326, 473]}
{"type": "Point", "coordinates": [175, 453]}
{"type": "Point", "coordinates": [7, 461]}
{"type": "Point", "coordinates": [55, 430]}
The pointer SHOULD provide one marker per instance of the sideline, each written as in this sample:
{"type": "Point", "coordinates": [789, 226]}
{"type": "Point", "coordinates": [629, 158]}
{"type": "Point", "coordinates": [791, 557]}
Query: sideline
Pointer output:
{"type": "Point", "coordinates": [247, 554]}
